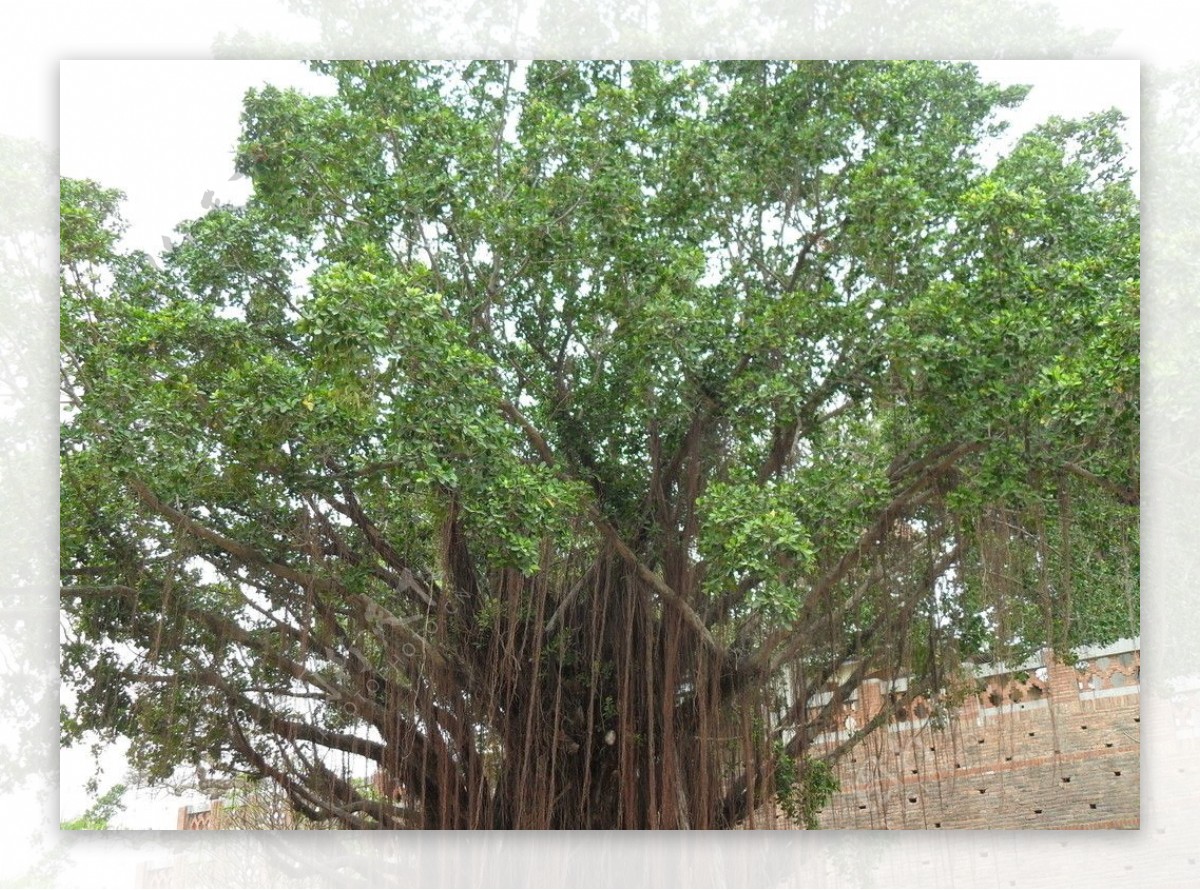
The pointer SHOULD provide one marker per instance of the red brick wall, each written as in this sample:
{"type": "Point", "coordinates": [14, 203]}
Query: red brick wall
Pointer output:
{"type": "Point", "coordinates": [1057, 752]}
{"type": "Point", "coordinates": [192, 818]}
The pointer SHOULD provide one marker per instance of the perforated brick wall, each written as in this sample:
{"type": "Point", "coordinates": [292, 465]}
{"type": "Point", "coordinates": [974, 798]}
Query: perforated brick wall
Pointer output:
{"type": "Point", "coordinates": [1056, 751]}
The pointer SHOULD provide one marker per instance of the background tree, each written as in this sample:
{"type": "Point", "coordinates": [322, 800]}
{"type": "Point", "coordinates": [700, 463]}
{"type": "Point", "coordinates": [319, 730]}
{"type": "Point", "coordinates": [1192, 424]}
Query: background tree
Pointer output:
{"type": "Point", "coordinates": [545, 437]}
{"type": "Point", "coordinates": [100, 814]}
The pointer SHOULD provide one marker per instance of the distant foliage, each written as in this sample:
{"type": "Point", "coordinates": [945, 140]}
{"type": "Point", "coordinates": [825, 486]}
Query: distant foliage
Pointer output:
{"type": "Point", "coordinates": [100, 814]}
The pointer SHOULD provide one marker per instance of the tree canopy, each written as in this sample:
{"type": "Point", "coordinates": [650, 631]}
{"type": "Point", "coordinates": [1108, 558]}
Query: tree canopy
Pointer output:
{"type": "Point", "coordinates": [546, 435]}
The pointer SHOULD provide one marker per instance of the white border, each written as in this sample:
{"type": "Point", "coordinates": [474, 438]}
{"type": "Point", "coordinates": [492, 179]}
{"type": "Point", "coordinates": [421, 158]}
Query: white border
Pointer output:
{"type": "Point", "coordinates": [1161, 854]}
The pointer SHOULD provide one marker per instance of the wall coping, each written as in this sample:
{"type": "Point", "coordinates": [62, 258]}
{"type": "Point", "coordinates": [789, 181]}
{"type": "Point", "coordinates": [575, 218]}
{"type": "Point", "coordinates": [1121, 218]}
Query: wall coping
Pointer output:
{"type": "Point", "coordinates": [994, 669]}
{"type": "Point", "coordinates": [1119, 647]}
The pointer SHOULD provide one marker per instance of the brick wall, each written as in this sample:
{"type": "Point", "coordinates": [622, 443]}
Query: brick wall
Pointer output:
{"type": "Point", "coordinates": [204, 817]}
{"type": "Point", "coordinates": [1056, 749]}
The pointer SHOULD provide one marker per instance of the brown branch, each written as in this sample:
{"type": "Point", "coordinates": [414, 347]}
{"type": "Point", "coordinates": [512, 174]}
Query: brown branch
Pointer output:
{"type": "Point", "coordinates": [99, 590]}
{"type": "Point", "coordinates": [765, 659]}
{"type": "Point", "coordinates": [374, 613]}
{"type": "Point", "coordinates": [1129, 496]}
{"type": "Point", "coordinates": [303, 799]}
{"type": "Point", "coordinates": [406, 580]}
{"type": "Point", "coordinates": [706, 412]}
{"type": "Point", "coordinates": [664, 590]}
{"type": "Point", "coordinates": [656, 582]}
{"type": "Point", "coordinates": [294, 730]}
{"type": "Point", "coordinates": [531, 432]}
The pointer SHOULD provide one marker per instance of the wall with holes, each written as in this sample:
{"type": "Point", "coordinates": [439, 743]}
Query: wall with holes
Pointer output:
{"type": "Point", "coordinates": [1042, 745]}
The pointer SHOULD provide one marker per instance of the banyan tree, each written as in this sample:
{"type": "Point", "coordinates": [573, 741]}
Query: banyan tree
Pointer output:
{"type": "Point", "coordinates": [539, 440]}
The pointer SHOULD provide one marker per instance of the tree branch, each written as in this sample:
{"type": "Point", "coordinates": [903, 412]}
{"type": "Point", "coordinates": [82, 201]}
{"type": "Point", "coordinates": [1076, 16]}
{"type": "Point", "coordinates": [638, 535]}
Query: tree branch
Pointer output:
{"type": "Point", "coordinates": [1129, 496]}
{"type": "Point", "coordinates": [652, 578]}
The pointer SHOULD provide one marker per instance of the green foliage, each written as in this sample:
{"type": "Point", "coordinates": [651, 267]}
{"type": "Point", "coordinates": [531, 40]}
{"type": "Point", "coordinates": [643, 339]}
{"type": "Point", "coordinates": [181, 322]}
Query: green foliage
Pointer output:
{"type": "Point", "coordinates": [99, 814]}
{"type": "Point", "coordinates": [750, 531]}
{"type": "Point", "coordinates": [803, 787]}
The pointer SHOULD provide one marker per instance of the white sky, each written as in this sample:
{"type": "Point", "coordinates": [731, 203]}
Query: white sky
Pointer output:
{"type": "Point", "coordinates": [177, 137]}
{"type": "Point", "coordinates": [1073, 89]}
{"type": "Point", "coordinates": [176, 140]}
{"type": "Point", "coordinates": [164, 131]}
